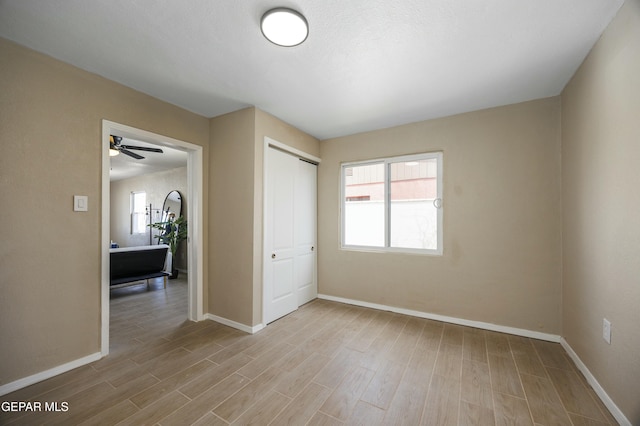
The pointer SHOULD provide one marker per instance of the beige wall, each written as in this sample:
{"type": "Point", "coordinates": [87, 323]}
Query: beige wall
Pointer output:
{"type": "Point", "coordinates": [50, 137]}
{"type": "Point", "coordinates": [236, 179]}
{"type": "Point", "coordinates": [501, 261]}
{"type": "Point", "coordinates": [157, 186]}
{"type": "Point", "coordinates": [231, 221]}
{"type": "Point", "coordinates": [601, 210]}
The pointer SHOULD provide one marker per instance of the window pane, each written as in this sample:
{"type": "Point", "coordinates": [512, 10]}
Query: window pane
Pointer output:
{"type": "Point", "coordinates": [364, 205]}
{"type": "Point", "coordinates": [139, 201]}
{"type": "Point", "coordinates": [138, 212]}
{"type": "Point", "coordinates": [414, 218]}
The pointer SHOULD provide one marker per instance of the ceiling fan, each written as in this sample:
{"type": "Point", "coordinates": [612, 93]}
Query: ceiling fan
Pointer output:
{"type": "Point", "coordinates": [115, 148]}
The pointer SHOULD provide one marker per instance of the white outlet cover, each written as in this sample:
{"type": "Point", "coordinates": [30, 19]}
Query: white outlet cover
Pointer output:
{"type": "Point", "coordinates": [606, 330]}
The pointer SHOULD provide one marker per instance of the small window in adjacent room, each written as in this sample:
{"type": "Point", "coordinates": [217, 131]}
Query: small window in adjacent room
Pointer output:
{"type": "Point", "coordinates": [138, 212]}
{"type": "Point", "coordinates": [393, 204]}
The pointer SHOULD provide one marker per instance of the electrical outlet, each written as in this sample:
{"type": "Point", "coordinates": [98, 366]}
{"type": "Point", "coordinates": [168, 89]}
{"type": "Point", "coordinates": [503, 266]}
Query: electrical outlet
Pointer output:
{"type": "Point", "coordinates": [606, 330]}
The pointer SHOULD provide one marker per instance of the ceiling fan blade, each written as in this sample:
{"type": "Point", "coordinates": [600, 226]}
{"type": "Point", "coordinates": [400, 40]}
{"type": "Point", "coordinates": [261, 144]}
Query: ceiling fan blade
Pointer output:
{"type": "Point", "coordinates": [142, 148]}
{"type": "Point", "coordinates": [131, 154]}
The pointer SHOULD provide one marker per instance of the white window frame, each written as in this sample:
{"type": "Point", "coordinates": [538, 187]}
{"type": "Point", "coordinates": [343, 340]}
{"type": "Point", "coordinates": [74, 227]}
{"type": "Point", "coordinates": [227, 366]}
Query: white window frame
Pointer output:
{"type": "Point", "coordinates": [135, 213]}
{"type": "Point", "coordinates": [387, 204]}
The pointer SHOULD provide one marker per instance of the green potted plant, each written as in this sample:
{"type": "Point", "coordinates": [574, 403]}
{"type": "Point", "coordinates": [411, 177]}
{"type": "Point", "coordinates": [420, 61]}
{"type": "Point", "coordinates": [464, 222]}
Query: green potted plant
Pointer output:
{"type": "Point", "coordinates": [173, 232]}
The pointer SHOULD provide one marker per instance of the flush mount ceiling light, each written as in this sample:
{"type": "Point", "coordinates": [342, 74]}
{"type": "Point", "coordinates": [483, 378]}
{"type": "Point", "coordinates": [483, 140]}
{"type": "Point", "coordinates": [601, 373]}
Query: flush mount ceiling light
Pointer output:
{"type": "Point", "coordinates": [284, 27]}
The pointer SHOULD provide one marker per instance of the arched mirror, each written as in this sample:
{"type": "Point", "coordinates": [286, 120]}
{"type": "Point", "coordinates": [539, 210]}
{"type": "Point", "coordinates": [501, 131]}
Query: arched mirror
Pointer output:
{"type": "Point", "coordinates": [172, 204]}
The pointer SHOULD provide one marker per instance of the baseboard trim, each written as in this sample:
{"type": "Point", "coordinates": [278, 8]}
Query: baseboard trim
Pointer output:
{"type": "Point", "coordinates": [452, 320]}
{"type": "Point", "coordinates": [47, 374]}
{"type": "Point", "coordinates": [604, 397]}
{"type": "Point", "coordinates": [242, 327]}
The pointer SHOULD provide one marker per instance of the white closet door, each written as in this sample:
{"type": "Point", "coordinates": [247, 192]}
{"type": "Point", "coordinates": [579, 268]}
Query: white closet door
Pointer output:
{"type": "Point", "coordinates": [290, 234]}
{"type": "Point", "coordinates": [280, 288]}
{"type": "Point", "coordinates": [305, 232]}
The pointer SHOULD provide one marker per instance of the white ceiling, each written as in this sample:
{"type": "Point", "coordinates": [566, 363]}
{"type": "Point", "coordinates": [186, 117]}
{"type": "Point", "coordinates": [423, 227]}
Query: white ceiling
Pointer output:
{"type": "Point", "coordinates": [124, 167]}
{"type": "Point", "coordinates": [367, 64]}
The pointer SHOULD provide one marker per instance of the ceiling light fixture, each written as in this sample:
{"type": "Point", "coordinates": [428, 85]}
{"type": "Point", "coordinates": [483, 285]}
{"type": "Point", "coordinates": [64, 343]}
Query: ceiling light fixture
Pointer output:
{"type": "Point", "coordinates": [112, 148]}
{"type": "Point", "coordinates": [284, 27]}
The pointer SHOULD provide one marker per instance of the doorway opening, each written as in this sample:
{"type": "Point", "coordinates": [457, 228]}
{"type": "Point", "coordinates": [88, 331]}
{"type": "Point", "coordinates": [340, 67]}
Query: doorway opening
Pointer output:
{"type": "Point", "coordinates": [195, 259]}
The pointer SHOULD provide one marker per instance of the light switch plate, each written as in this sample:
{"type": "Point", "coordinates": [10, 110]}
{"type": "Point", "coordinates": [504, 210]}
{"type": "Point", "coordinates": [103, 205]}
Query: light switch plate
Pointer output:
{"type": "Point", "coordinates": [80, 203]}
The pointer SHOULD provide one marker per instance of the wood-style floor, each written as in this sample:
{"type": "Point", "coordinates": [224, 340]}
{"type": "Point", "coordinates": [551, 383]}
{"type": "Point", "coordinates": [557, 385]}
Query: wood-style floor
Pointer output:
{"type": "Point", "coordinates": [325, 364]}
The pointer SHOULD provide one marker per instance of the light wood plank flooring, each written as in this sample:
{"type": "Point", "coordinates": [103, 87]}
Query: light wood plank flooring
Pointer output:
{"type": "Point", "coordinates": [325, 364]}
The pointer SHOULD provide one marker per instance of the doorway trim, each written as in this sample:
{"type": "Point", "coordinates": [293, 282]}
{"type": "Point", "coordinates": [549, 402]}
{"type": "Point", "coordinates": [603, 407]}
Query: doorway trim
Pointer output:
{"type": "Point", "coordinates": [272, 143]}
{"type": "Point", "coordinates": [195, 218]}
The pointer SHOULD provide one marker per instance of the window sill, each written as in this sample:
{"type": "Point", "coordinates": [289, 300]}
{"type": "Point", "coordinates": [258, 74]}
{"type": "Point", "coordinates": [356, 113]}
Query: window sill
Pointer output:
{"type": "Point", "coordinates": [396, 250]}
